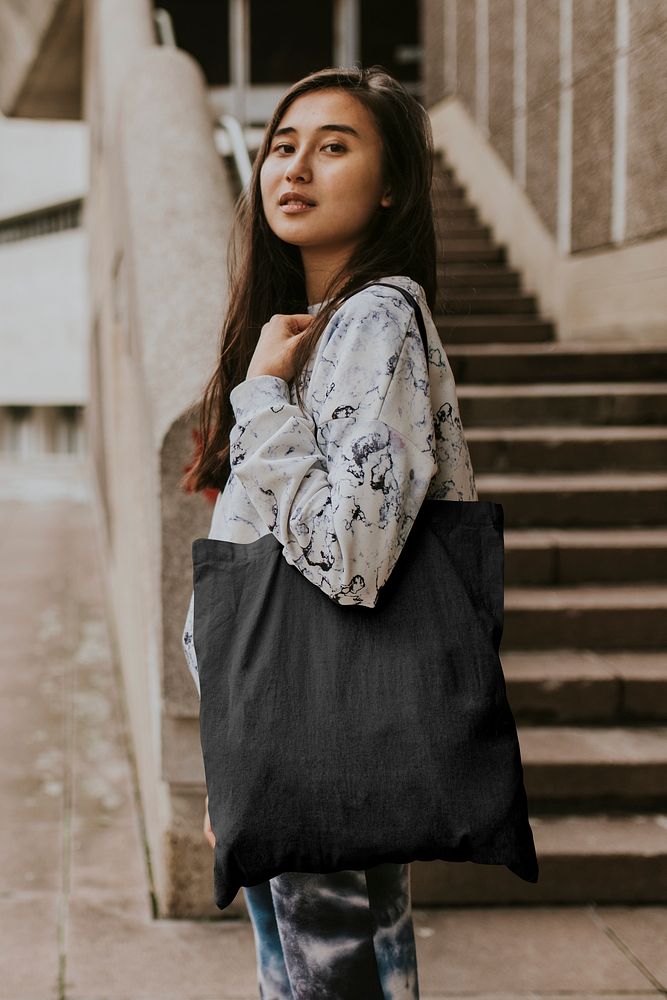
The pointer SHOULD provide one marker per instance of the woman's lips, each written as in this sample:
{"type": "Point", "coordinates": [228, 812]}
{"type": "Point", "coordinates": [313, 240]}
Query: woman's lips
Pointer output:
{"type": "Point", "coordinates": [294, 207]}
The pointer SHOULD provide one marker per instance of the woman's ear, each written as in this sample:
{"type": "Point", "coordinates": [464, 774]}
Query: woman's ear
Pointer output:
{"type": "Point", "coordinates": [386, 198]}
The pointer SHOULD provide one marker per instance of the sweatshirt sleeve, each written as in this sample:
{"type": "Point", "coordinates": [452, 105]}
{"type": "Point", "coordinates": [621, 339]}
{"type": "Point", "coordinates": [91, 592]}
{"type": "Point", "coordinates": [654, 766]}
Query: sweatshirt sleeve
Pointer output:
{"type": "Point", "coordinates": [188, 643]}
{"type": "Point", "coordinates": [340, 490]}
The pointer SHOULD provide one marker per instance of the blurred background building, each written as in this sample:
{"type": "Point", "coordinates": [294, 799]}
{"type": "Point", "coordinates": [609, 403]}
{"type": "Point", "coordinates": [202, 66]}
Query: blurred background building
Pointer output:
{"type": "Point", "coordinates": [549, 192]}
{"type": "Point", "coordinates": [43, 286]}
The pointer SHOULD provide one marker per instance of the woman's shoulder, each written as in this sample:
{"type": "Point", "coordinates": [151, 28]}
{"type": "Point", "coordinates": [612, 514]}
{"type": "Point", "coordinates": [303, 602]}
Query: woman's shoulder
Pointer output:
{"type": "Point", "coordinates": [377, 307]}
{"type": "Point", "coordinates": [381, 304]}
{"type": "Point", "coordinates": [366, 336]}
{"type": "Point", "coordinates": [381, 292]}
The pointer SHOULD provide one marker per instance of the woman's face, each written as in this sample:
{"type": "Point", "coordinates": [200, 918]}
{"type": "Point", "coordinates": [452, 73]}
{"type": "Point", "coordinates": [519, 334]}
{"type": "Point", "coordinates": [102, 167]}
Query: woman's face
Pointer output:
{"type": "Point", "coordinates": [339, 169]}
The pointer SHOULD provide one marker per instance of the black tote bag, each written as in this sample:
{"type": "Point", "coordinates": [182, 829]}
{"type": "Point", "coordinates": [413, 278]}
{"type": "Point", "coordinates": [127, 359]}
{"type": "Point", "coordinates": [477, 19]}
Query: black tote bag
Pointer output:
{"type": "Point", "coordinates": [339, 736]}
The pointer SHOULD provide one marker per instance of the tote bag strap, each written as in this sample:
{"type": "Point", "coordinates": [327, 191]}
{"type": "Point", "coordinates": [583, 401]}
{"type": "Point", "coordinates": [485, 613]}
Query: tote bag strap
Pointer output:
{"type": "Point", "coordinates": [415, 305]}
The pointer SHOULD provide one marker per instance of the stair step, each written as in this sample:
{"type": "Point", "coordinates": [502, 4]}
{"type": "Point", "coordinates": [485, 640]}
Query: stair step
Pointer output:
{"type": "Point", "coordinates": [472, 250]}
{"type": "Point", "coordinates": [557, 360]}
{"type": "Point", "coordinates": [583, 859]}
{"type": "Point", "coordinates": [458, 230]}
{"type": "Point", "coordinates": [476, 329]}
{"type": "Point", "coordinates": [443, 169]}
{"type": "Point", "coordinates": [461, 213]}
{"type": "Point", "coordinates": [441, 173]}
{"type": "Point", "coordinates": [586, 616]}
{"type": "Point", "coordinates": [464, 276]}
{"type": "Point", "coordinates": [572, 686]}
{"type": "Point", "coordinates": [448, 201]}
{"type": "Point", "coordinates": [445, 188]}
{"type": "Point", "coordinates": [459, 301]}
{"type": "Point", "coordinates": [590, 768]}
{"type": "Point", "coordinates": [512, 404]}
{"type": "Point", "coordinates": [469, 245]}
{"type": "Point", "coordinates": [568, 556]}
{"type": "Point", "coordinates": [567, 449]}
{"type": "Point", "coordinates": [479, 329]}
{"type": "Point", "coordinates": [595, 499]}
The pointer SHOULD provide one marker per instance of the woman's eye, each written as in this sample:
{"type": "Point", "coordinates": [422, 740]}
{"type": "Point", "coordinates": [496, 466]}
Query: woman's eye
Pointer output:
{"type": "Point", "coordinates": [284, 145]}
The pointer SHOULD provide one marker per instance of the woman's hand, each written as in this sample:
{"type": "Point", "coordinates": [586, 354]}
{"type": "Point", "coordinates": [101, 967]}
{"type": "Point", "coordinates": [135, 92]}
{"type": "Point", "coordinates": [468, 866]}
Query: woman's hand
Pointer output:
{"type": "Point", "coordinates": [208, 832]}
{"type": "Point", "coordinates": [276, 345]}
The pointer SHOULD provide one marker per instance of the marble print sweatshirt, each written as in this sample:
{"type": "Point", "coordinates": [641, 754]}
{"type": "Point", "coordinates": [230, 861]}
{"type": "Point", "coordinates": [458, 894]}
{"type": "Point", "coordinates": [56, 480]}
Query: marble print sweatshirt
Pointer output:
{"type": "Point", "coordinates": [340, 483]}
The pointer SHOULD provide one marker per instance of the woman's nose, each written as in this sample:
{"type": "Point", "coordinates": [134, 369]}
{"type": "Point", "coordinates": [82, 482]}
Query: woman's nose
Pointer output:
{"type": "Point", "coordinates": [297, 169]}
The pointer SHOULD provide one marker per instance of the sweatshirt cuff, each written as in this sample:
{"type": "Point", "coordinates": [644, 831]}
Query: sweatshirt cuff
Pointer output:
{"type": "Point", "coordinates": [257, 393]}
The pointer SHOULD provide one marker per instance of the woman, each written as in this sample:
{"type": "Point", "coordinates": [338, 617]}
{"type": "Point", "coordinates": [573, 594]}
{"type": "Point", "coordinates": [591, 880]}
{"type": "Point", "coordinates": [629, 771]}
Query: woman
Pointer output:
{"type": "Point", "coordinates": [325, 424]}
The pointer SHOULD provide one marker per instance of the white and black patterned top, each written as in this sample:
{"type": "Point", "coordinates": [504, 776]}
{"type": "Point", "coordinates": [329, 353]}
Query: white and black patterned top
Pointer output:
{"type": "Point", "coordinates": [341, 484]}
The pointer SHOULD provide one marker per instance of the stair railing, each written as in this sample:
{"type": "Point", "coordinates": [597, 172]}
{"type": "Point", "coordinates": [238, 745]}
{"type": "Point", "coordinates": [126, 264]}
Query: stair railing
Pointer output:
{"type": "Point", "coordinates": [238, 146]}
{"type": "Point", "coordinates": [164, 27]}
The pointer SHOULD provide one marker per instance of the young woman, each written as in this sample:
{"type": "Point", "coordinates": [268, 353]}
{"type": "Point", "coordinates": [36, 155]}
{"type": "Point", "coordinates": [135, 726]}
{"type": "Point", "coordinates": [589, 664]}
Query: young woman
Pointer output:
{"type": "Point", "coordinates": [325, 424]}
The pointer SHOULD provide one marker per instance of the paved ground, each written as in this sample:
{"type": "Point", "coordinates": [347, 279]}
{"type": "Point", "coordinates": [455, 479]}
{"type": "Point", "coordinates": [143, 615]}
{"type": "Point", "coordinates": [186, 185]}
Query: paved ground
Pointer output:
{"type": "Point", "coordinates": [75, 904]}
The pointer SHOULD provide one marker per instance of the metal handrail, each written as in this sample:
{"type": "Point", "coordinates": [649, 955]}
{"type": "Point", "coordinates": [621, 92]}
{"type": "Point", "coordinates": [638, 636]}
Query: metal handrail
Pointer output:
{"type": "Point", "coordinates": [239, 147]}
{"type": "Point", "coordinates": [164, 27]}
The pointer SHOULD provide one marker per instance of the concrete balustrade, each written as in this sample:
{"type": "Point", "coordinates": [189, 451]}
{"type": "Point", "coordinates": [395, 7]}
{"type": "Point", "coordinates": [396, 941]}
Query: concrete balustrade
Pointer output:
{"type": "Point", "coordinates": [158, 218]}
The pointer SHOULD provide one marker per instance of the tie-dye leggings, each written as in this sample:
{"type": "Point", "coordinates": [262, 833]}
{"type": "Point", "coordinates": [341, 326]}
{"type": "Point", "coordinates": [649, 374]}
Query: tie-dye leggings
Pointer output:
{"type": "Point", "coordinates": [342, 936]}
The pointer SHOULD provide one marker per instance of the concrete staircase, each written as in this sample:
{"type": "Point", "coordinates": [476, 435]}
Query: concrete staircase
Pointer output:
{"type": "Point", "coordinates": [572, 439]}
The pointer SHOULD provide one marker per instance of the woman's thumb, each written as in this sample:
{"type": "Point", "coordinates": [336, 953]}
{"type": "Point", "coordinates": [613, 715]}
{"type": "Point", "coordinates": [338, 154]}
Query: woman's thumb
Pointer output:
{"type": "Point", "coordinates": [301, 321]}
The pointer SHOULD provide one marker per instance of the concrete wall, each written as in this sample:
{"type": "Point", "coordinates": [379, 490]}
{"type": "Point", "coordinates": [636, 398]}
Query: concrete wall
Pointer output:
{"type": "Point", "coordinates": [43, 279]}
{"type": "Point", "coordinates": [43, 320]}
{"type": "Point", "coordinates": [558, 106]}
{"type": "Point", "coordinates": [41, 164]}
{"type": "Point", "coordinates": [157, 216]}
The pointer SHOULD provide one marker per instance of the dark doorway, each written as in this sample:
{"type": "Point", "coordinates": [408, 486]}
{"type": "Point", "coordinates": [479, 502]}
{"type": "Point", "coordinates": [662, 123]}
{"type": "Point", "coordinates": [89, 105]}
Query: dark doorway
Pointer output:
{"type": "Point", "coordinates": [390, 36]}
{"type": "Point", "coordinates": [201, 27]}
{"type": "Point", "coordinates": [290, 39]}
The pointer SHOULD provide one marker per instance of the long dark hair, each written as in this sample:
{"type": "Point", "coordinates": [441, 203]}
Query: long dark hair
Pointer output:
{"type": "Point", "coordinates": [266, 276]}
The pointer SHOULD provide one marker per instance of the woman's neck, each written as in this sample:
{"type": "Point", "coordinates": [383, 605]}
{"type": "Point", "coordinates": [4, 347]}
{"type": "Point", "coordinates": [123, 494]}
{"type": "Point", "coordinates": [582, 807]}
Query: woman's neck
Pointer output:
{"type": "Point", "coordinates": [319, 266]}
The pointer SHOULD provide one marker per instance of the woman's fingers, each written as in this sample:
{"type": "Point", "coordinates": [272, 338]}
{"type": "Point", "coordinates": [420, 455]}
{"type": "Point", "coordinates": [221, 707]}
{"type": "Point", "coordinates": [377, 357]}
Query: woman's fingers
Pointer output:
{"type": "Point", "coordinates": [300, 322]}
{"type": "Point", "coordinates": [273, 354]}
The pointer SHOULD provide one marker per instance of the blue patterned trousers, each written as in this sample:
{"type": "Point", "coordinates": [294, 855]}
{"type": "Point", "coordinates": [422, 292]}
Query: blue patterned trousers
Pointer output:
{"type": "Point", "coordinates": [342, 936]}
